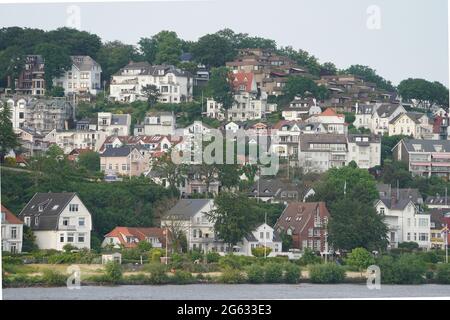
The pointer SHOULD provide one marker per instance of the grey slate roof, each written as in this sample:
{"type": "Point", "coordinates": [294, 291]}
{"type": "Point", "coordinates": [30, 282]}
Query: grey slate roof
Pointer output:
{"type": "Point", "coordinates": [117, 152]}
{"type": "Point", "coordinates": [437, 200]}
{"type": "Point", "coordinates": [387, 192]}
{"type": "Point", "coordinates": [187, 208]}
{"type": "Point", "coordinates": [427, 145]}
{"type": "Point", "coordinates": [119, 119]}
{"type": "Point", "coordinates": [396, 204]}
{"type": "Point", "coordinates": [414, 116]}
{"type": "Point", "coordinates": [84, 63]}
{"type": "Point", "coordinates": [52, 204]}
{"type": "Point", "coordinates": [386, 110]}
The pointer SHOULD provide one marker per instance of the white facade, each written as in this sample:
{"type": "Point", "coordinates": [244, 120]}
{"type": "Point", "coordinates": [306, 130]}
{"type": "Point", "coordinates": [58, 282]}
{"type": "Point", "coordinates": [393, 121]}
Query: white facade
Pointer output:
{"type": "Point", "coordinates": [364, 150]}
{"type": "Point", "coordinates": [69, 140]}
{"type": "Point", "coordinates": [405, 224]}
{"type": "Point", "coordinates": [263, 236]}
{"type": "Point", "coordinates": [12, 234]}
{"type": "Point", "coordinates": [18, 111]}
{"type": "Point", "coordinates": [418, 127]}
{"type": "Point", "coordinates": [245, 107]}
{"type": "Point", "coordinates": [83, 77]}
{"type": "Point", "coordinates": [174, 85]}
{"type": "Point", "coordinates": [161, 123]}
{"type": "Point", "coordinates": [114, 124]}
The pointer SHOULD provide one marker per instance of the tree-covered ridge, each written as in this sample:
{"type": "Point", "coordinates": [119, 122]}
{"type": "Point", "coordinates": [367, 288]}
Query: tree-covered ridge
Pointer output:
{"type": "Point", "coordinates": [212, 50]}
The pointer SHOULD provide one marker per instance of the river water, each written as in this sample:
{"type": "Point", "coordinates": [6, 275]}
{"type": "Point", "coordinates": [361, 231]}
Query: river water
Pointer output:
{"type": "Point", "coordinates": [228, 292]}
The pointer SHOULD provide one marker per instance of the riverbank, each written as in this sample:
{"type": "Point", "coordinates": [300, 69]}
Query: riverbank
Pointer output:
{"type": "Point", "coordinates": [230, 292]}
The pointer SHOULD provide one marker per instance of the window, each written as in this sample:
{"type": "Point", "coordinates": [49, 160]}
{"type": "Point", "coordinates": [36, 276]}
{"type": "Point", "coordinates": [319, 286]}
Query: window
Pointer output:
{"type": "Point", "coordinates": [36, 221]}
{"type": "Point", "coordinates": [27, 221]}
{"type": "Point", "coordinates": [423, 236]}
{"type": "Point", "coordinates": [81, 222]}
{"type": "Point", "coordinates": [13, 232]}
{"type": "Point", "coordinates": [423, 222]}
{"type": "Point", "coordinates": [65, 222]}
{"type": "Point", "coordinates": [70, 237]}
{"type": "Point", "coordinates": [267, 235]}
{"type": "Point", "coordinates": [261, 235]}
{"type": "Point", "coordinates": [73, 207]}
{"type": "Point", "coordinates": [61, 237]}
{"type": "Point", "coordinates": [81, 237]}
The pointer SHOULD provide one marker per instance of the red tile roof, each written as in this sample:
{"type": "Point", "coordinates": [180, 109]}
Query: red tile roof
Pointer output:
{"type": "Point", "coordinates": [242, 79]}
{"type": "Point", "coordinates": [9, 217]}
{"type": "Point", "coordinates": [330, 113]}
{"type": "Point", "coordinates": [140, 233]}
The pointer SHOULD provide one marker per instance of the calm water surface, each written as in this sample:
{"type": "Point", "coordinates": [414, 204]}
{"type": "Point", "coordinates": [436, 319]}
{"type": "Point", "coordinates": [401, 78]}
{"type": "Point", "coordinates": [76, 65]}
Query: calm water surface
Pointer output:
{"type": "Point", "coordinates": [224, 292]}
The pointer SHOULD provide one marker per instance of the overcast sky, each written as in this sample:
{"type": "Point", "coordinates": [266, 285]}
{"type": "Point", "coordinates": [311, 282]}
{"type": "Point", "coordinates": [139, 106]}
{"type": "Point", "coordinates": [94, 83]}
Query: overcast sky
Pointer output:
{"type": "Point", "coordinates": [408, 40]}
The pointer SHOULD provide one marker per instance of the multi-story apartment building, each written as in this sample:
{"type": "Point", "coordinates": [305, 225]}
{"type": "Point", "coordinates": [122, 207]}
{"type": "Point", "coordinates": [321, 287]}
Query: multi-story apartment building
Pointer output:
{"type": "Point", "coordinates": [162, 123]}
{"type": "Point", "coordinates": [332, 121]}
{"type": "Point", "coordinates": [58, 219]}
{"type": "Point", "coordinates": [68, 140]}
{"type": "Point", "coordinates": [365, 150]}
{"type": "Point", "coordinates": [424, 157]}
{"type": "Point", "coordinates": [174, 84]}
{"type": "Point", "coordinates": [114, 124]}
{"type": "Point", "coordinates": [46, 115]}
{"type": "Point", "coordinates": [12, 232]}
{"type": "Point", "coordinates": [123, 161]}
{"type": "Point", "coordinates": [84, 77]}
{"type": "Point", "coordinates": [18, 110]}
{"type": "Point", "coordinates": [31, 79]}
{"type": "Point", "coordinates": [300, 109]}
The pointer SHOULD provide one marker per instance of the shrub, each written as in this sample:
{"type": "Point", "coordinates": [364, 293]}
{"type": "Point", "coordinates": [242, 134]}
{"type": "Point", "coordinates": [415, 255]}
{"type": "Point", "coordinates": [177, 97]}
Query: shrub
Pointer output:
{"type": "Point", "coordinates": [235, 262]}
{"type": "Point", "coordinates": [114, 272]}
{"type": "Point", "coordinates": [68, 248]}
{"type": "Point", "coordinates": [409, 269]}
{"type": "Point", "coordinates": [53, 278]}
{"type": "Point", "coordinates": [326, 273]}
{"type": "Point", "coordinates": [431, 257]}
{"type": "Point", "coordinates": [158, 273]}
{"type": "Point", "coordinates": [291, 273]}
{"type": "Point", "coordinates": [11, 260]}
{"type": "Point", "coordinates": [309, 257]}
{"type": "Point", "coordinates": [408, 245]}
{"type": "Point", "coordinates": [261, 252]}
{"type": "Point", "coordinates": [387, 269]}
{"type": "Point", "coordinates": [182, 277]}
{"type": "Point", "coordinates": [196, 255]}
{"type": "Point", "coordinates": [144, 246]}
{"type": "Point", "coordinates": [443, 273]}
{"type": "Point", "coordinates": [255, 273]}
{"type": "Point", "coordinates": [231, 276]}
{"type": "Point", "coordinates": [360, 258]}
{"type": "Point", "coordinates": [136, 279]}
{"type": "Point", "coordinates": [155, 255]}
{"type": "Point", "coordinates": [212, 257]}
{"type": "Point", "coordinates": [273, 273]}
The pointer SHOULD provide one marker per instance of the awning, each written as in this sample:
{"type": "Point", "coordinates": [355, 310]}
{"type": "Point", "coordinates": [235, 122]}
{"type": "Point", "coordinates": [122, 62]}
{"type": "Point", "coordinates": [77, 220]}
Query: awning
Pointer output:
{"type": "Point", "coordinates": [441, 164]}
{"type": "Point", "coordinates": [420, 163]}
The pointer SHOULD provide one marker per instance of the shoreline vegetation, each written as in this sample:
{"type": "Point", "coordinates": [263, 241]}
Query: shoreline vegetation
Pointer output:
{"type": "Point", "coordinates": [190, 268]}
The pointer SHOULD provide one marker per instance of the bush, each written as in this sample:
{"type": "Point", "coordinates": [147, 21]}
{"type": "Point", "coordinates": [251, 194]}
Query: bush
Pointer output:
{"type": "Point", "coordinates": [53, 278]}
{"type": "Point", "coordinates": [158, 273]}
{"type": "Point", "coordinates": [255, 273]}
{"type": "Point", "coordinates": [387, 269]}
{"type": "Point", "coordinates": [182, 277]}
{"type": "Point", "coordinates": [326, 273]}
{"type": "Point", "coordinates": [360, 258]}
{"type": "Point", "coordinates": [409, 269]}
{"type": "Point", "coordinates": [408, 246]}
{"type": "Point", "coordinates": [273, 273]}
{"type": "Point", "coordinates": [68, 248]}
{"type": "Point", "coordinates": [212, 257]}
{"type": "Point", "coordinates": [235, 262]}
{"type": "Point", "coordinates": [443, 273]}
{"type": "Point", "coordinates": [155, 255]}
{"type": "Point", "coordinates": [232, 276]}
{"type": "Point", "coordinates": [114, 272]}
{"type": "Point", "coordinates": [11, 260]}
{"type": "Point", "coordinates": [309, 257]}
{"type": "Point", "coordinates": [291, 273]}
{"type": "Point", "coordinates": [196, 255]}
{"type": "Point", "coordinates": [261, 252]}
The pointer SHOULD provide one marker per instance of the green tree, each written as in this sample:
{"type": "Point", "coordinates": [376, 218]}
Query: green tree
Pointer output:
{"type": "Point", "coordinates": [56, 92]}
{"type": "Point", "coordinates": [220, 88]}
{"type": "Point", "coordinates": [90, 161]}
{"type": "Point", "coordinates": [369, 74]}
{"type": "Point", "coordinates": [301, 86]}
{"type": "Point", "coordinates": [8, 139]}
{"type": "Point", "coordinates": [360, 258]}
{"type": "Point", "coordinates": [11, 63]}
{"type": "Point", "coordinates": [57, 60]}
{"type": "Point", "coordinates": [152, 93]}
{"type": "Point", "coordinates": [356, 224]}
{"type": "Point", "coordinates": [234, 217]}
{"type": "Point", "coordinates": [114, 55]}
{"type": "Point", "coordinates": [29, 240]}
{"type": "Point", "coordinates": [328, 69]}
{"type": "Point", "coordinates": [213, 50]}
{"type": "Point", "coordinates": [162, 48]}
{"type": "Point", "coordinates": [424, 91]}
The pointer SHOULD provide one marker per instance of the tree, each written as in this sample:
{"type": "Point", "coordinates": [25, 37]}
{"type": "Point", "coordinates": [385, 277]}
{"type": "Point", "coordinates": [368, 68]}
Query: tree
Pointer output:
{"type": "Point", "coordinates": [213, 50]}
{"type": "Point", "coordinates": [426, 92]}
{"type": "Point", "coordinates": [302, 58]}
{"type": "Point", "coordinates": [152, 93]}
{"type": "Point", "coordinates": [220, 88]}
{"type": "Point", "coordinates": [354, 183]}
{"type": "Point", "coordinates": [90, 161]}
{"type": "Point", "coordinates": [162, 48]}
{"type": "Point", "coordinates": [57, 60]}
{"type": "Point", "coordinates": [328, 69]}
{"type": "Point", "coordinates": [234, 217]}
{"type": "Point", "coordinates": [354, 224]}
{"type": "Point", "coordinates": [395, 172]}
{"type": "Point", "coordinates": [301, 86]}
{"type": "Point", "coordinates": [370, 75]}
{"type": "Point", "coordinates": [11, 63]}
{"type": "Point", "coordinates": [360, 258]}
{"type": "Point", "coordinates": [387, 144]}
{"type": "Point", "coordinates": [167, 169]}
{"type": "Point", "coordinates": [29, 240]}
{"type": "Point", "coordinates": [114, 55]}
{"type": "Point", "coordinates": [229, 175]}
{"type": "Point", "coordinates": [8, 139]}
{"type": "Point", "coordinates": [56, 92]}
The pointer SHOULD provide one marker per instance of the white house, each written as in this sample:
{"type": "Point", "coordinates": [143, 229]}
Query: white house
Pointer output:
{"type": "Point", "coordinates": [174, 84]}
{"type": "Point", "coordinates": [128, 237]}
{"type": "Point", "coordinates": [300, 109]}
{"type": "Point", "coordinates": [157, 123]}
{"type": "Point", "coordinates": [332, 121]}
{"type": "Point", "coordinates": [72, 139]}
{"type": "Point", "coordinates": [364, 149]}
{"type": "Point", "coordinates": [382, 116]}
{"type": "Point", "coordinates": [58, 219]}
{"type": "Point", "coordinates": [405, 222]}
{"type": "Point", "coordinates": [12, 232]}
{"type": "Point", "coordinates": [83, 77]}
{"type": "Point", "coordinates": [263, 236]}
{"type": "Point", "coordinates": [18, 111]}
{"type": "Point", "coordinates": [114, 124]}
{"type": "Point", "coordinates": [413, 124]}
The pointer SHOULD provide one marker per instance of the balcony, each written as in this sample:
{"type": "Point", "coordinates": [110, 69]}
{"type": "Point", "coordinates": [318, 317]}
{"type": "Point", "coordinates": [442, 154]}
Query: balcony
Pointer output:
{"type": "Point", "coordinates": [68, 227]}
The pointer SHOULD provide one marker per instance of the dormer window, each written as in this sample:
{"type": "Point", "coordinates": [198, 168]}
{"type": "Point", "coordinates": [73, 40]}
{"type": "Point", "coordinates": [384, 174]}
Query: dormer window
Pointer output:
{"type": "Point", "coordinates": [36, 221]}
{"type": "Point", "coordinates": [41, 208]}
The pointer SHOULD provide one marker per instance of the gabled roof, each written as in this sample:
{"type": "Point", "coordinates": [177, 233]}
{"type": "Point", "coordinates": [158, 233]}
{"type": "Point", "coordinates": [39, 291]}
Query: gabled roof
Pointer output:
{"type": "Point", "coordinates": [51, 205]}
{"type": "Point", "coordinates": [123, 151]}
{"type": "Point", "coordinates": [10, 218]}
{"type": "Point", "coordinates": [386, 110]}
{"type": "Point", "coordinates": [141, 234]}
{"type": "Point", "coordinates": [433, 146]}
{"type": "Point", "coordinates": [386, 191]}
{"type": "Point", "coordinates": [297, 215]}
{"type": "Point", "coordinates": [330, 113]}
{"type": "Point", "coordinates": [394, 204]}
{"type": "Point", "coordinates": [187, 208]}
{"type": "Point", "coordinates": [84, 63]}
{"type": "Point", "coordinates": [242, 79]}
